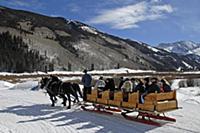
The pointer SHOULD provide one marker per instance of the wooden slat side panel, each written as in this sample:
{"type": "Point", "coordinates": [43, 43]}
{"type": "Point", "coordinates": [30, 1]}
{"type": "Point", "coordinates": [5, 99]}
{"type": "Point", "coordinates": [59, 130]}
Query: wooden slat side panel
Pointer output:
{"type": "Point", "coordinates": [168, 105]}
{"type": "Point", "coordinates": [114, 103]}
{"type": "Point", "coordinates": [91, 98]}
{"type": "Point", "coordinates": [147, 107]}
{"type": "Point", "coordinates": [102, 101]}
{"type": "Point", "coordinates": [94, 92]}
{"type": "Point", "coordinates": [118, 96]}
{"type": "Point", "coordinates": [150, 97]}
{"type": "Point", "coordinates": [165, 96]}
{"type": "Point", "coordinates": [129, 105]}
{"type": "Point", "coordinates": [106, 95]}
{"type": "Point", "coordinates": [133, 97]}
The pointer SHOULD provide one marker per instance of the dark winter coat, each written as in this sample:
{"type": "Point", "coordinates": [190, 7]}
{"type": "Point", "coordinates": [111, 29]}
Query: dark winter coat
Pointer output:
{"type": "Point", "coordinates": [110, 85]}
{"type": "Point", "coordinates": [120, 84]}
{"type": "Point", "coordinates": [140, 87]}
{"type": "Point", "coordinates": [153, 88]}
{"type": "Point", "coordinates": [166, 88]}
{"type": "Point", "coordinates": [86, 80]}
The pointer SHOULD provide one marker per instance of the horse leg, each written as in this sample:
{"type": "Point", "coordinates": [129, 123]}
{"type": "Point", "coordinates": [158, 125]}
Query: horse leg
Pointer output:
{"type": "Point", "coordinates": [52, 100]}
{"type": "Point", "coordinates": [69, 100]}
{"type": "Point", "coordinates": [55, 99]}
{"type": "Point", "coordinates": [76, 96]}
{"type": "Point", "coordinates": [74, 93]}
{"type": "Point", "coordinates": [64, 99]}
{"type": "Point", "coordinates": [79, 91]}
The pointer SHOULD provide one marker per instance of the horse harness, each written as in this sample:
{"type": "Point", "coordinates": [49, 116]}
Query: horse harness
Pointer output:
{"type": "Point", "coordinates": [59, 83]}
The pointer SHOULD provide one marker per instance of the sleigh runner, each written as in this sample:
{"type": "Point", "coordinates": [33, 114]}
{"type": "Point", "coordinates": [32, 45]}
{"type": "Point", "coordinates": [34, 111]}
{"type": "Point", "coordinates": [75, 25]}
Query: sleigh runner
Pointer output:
{"type": "Point", "coordinates": [155, 105]}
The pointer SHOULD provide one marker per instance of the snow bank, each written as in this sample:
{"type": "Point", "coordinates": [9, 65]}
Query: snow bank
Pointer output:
{"type": "Point", "coordinates": [27, 85]}
{"type": "Point", "coordinates": [110, 71]}
{"type": "Point", "coordinates": [5, 85]}
{"type": "Point", "coordinates": [186, 94]}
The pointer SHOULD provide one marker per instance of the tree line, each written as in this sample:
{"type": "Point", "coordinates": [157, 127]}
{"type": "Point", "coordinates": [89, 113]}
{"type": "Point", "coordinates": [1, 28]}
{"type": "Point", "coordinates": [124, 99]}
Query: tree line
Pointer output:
{"type": "Point", "coordinates": [17, 57]}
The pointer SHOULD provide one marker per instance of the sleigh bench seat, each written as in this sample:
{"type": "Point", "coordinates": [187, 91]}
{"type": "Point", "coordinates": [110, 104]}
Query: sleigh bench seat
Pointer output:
{"type": "Point", "coordinates": [118, 98]}
{"type": "Point", "coordinates": [159, 102]}
{"type": "Point", "coordinates": [93, 96]}
{"type": "Point", "coordinates": [104, 97]}
{"type": "Point", "coordinates": [133, 100]}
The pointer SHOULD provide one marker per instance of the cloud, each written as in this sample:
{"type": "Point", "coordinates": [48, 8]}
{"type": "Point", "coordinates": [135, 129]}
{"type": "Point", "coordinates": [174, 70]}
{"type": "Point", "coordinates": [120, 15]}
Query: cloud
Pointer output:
{"type": "Point", "coordinates": [129, 16]}
{"type": "Point", "coordinates": [20, 3]}
{"type": "Point", "coordinates": [25, 3]}
{"type": "Point", "coordinates": [73, 7]}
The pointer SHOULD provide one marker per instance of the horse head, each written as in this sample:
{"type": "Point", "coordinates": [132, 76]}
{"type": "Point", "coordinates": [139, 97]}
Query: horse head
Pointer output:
{"type": "Point", "coordinates": [43, 82]}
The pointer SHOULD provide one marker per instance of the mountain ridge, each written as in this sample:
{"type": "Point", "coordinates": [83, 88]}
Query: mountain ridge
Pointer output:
{"type": "Point", "coordinates": [182, 47]}
{"type": "Point", "coordinates": [73, 45]}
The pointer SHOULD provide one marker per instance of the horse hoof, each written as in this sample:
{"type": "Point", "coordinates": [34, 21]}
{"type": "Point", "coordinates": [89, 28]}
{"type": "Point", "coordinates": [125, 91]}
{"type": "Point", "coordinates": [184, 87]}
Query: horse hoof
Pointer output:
{"type": "Point", "coordinates": [68, 107]}
{"type": "Point", "coordinates": [52, 105]}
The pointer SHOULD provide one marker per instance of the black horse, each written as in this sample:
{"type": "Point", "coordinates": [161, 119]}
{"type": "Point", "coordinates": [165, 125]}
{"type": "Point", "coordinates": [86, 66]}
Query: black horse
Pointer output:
{"type": "Point", "coordinates": [56, 87]}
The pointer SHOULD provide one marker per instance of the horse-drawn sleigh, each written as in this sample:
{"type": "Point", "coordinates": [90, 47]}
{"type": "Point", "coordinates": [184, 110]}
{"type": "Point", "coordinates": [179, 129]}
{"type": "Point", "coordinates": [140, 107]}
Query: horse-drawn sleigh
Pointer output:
{"type": "Point", "coordinates": [110, 102]}
{"type": "Point", "coordinates": [155, 105]}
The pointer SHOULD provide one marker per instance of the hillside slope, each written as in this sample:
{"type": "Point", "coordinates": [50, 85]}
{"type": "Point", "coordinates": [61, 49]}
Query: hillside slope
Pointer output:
{"type": "Point", "coordinates": [72, 45]}
{"type": "Point", "coordinates": [182, 47]}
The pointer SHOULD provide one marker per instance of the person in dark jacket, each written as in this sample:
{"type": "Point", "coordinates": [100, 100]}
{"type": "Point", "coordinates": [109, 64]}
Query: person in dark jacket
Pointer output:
{"type": "Point", "coordinates": [154, 86]}
{"type": "Point", "coordinates": [147, 83]}
{"type": "Point", "coordinates": [150, 88]}
{"type": "Point", "coordinates": [121, 82]}
{"type": "Point", "coordinates": [165, 86]}
{"type": "Point", "coordinates": [140, 86]}
{"type": "Point", "coordinates": [86, 80]}
{"type": "Point", "coordinates": [110, 84]}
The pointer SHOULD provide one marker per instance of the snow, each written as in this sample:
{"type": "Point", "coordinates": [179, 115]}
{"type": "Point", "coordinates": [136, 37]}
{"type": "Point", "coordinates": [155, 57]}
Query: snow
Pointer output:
{"type": "Point", "coordinates": [25, 85]}
{"type": "Point", "coordinates": [118, 71]}
{"type": "Point", "coordinates": [196, 51]}
{"type": "Point", "coordinates": [110, 71]}
{"type": "Point", "coordinates": [186, 64]}
{"type": "Point", "coordinates": [5, 85]}
{"type": "Point", "coordinates": [25, 111]}
{"type": "Point", "coordinates": [89, 29]}
{"type": "Point", "coordinates": [154, 49]}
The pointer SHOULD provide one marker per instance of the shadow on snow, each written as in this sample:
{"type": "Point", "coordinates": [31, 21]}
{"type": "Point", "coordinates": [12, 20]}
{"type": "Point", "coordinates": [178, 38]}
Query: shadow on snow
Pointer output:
{"type": "Point", "coordinates": [85, 120]}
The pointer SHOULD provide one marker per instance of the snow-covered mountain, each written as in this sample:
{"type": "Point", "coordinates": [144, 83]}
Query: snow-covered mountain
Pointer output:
{"type": "Point", "coordinates": [72, 45]}
{"type": "Point", "coordinates": [182, 47]}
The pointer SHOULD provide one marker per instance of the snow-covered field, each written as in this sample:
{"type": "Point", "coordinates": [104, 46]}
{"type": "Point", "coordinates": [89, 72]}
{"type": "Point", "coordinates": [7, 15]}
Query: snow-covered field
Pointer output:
{"type": "Point", "coordinates": [24, 110]}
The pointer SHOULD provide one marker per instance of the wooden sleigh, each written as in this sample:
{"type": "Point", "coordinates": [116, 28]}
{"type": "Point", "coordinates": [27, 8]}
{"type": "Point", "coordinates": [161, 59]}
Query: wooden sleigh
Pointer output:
{"type": "Point", "coordinates": [155, 105]}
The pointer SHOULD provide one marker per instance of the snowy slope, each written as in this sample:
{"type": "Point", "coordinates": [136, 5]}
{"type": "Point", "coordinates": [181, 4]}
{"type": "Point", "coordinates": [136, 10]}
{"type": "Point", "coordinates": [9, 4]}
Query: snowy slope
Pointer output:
{"type": "Point", "coordinates": [26, 111]}
{"type": "Point", "coordinates": [181, 47]}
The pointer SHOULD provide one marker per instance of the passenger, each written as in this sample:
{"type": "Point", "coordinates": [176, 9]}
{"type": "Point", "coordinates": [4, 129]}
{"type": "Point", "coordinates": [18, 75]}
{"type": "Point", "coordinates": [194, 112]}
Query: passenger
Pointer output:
{"type": "Point", "coordinates": [150, 88]}
{"type": "Point", "coordinates": [127, 86]}
{"type": "Point", "coordinates": [100, 84]}
{"type": "Point", "coordinates": [165, 85]}
{"type": "Point", "coordinates": [134, 84]}
{"type": "Point", "coordinates": [147, 83]}
{"type": "Point", "coordinates": [121, 82]}
{"type": "Point", "coordinates": [112, 84]}
{"type": "Point", "coordinates": [107, 86]}
{"type": "Point", "coordinates": [140, 86]}
{"type": "Point", "coordinates": [154, 86]}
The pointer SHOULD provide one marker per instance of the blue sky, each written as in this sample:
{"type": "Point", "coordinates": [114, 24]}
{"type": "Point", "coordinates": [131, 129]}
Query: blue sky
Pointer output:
{"type": "Point", "coordinates": [149, 21]}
